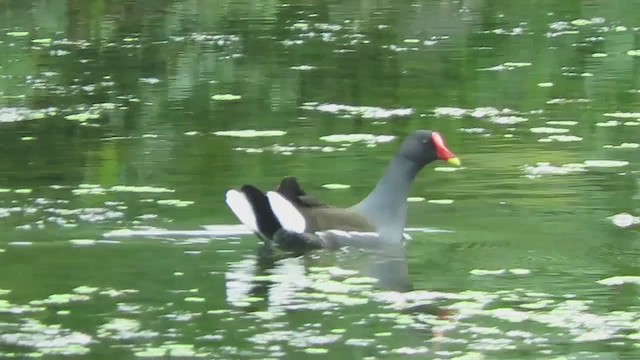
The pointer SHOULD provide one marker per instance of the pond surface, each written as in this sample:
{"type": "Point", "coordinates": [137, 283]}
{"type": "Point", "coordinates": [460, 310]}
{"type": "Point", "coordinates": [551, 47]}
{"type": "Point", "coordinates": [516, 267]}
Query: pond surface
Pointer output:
{"type": "Point", "coordinates": [123, 123]}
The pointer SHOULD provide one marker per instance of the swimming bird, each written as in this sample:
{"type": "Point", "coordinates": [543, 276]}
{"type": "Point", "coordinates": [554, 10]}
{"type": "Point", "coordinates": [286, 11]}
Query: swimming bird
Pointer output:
{"type": "Point", "coordinates": [294, 220]}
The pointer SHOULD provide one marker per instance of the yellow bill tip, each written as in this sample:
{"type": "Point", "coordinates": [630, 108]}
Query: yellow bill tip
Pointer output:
{"type": "Point", "coordinates": [454, 161]}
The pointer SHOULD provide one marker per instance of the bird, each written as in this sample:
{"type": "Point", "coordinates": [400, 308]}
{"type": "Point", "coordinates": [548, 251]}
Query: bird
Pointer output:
{"type": "Point", "coordinates": [295, 220]}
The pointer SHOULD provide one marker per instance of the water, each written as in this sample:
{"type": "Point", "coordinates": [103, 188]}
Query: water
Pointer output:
{"type": "Point", "coordinates": [115, 240]}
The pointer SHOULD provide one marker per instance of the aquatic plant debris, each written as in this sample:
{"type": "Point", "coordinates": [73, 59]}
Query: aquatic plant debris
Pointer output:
{"type": "Point", "coordinates": [336, 186]}
{"type": "Point", "coordinates": [351, 138]}
{"type": "Point", "coordinates": [623, 115]}
{"type": "Point", "coordinates": [605, 163]}
{"type": "Point", "coordinates": [367, 112]}
{"type": "Point", "coordinates": [620, 280]}
{"type": "Point", "coordinates": [140, 189]}
{"type": "Point", "coordinates": [545, 168]}
{"type": "Point", "coordinates": [624, 220]}
{"type": "Point", "coordinates": [622, 146]}
{"type": "Point", "coordinates": [548, 130]}
{"type": "Point", "coordinates": [226, 97]}
{"type": "Point", "coordinates": [561, 138]}
{"type": "Point", "coordinates": [18, 33]}
{"type": "Point", "coordinates": [14, 114]}
{"type": "Point", "coordinates": [250, 133]}
{"type": "Point", "coordinates": [440, 201]}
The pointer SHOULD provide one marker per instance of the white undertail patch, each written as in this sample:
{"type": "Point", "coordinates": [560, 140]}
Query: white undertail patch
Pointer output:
{"type": "Point", "coordinates": [289, 216]}
{"type": "Point", "coordinates": [243, 210]}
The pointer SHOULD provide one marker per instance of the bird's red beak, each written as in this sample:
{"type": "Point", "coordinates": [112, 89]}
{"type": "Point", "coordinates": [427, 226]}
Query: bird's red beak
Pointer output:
{"type": "Point", "coordinates": [441, 150]}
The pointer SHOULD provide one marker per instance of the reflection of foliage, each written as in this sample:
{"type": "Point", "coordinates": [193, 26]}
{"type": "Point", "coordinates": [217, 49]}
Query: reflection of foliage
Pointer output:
{"type": "Point", "coordinates": [160, 63]}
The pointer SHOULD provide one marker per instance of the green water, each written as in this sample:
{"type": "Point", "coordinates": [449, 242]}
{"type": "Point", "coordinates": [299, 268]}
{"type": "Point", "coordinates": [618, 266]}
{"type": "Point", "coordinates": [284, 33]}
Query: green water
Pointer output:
{"type": "Point", "coordinates": [108, 119]}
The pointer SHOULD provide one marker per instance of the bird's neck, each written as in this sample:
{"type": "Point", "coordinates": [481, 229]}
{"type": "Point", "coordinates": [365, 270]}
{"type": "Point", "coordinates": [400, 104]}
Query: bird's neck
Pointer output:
{"type": "Point", "coordinates": [386, 205]}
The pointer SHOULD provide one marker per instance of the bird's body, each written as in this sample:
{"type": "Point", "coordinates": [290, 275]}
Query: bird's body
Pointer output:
{"type": "Point", "coordinates": [291, 218]}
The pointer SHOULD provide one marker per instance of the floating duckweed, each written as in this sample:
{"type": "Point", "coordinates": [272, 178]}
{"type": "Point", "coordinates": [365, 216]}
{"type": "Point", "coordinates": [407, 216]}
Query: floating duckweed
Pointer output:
{"type": "Point", "coordinates": [448, 168]}
{"type": "Point", "coordinates": [562, 122]}
{"type": "Point", "coordinates": [415, 199]}
{"type": "Point", "coordinates": [180, 350]}
{"type": "Point", "coordinates": [82, 117]}
{"type": "Point", "coordinates": [581, 22]}
{"type": "Point", "coordinates": [359, 342]}
{"type": "Point", "coordinates": [474, 356]}
{"type": "Point", "coordinates": [347, 300]}
{"type": "Point", "coordinates": [217, 312]}
{"type": "Point", "coordinates": [367, 138]}
{"type": "Point", "coordinates": [507, 120]}
{"type": "Point", "coordinates": [303, 67]}
{"type": "Point", "coordinates": [609, 123]}
{"type": "Point", "coordinates": [61, 299]}
{"type": "Point", "coordinates": [367, 112]}
{"type": "Point", "coordinates": [634, 52]}
{"type": "Point", "coordinates": [42, 41]}
{"type": "Point", "coordinates": [545, 84]}
{"type": "Point", "coordinates": [623, 146]}
{"type": "Point", "coordinates": [624, 220]}
{"type": "Point", "coordinates": [151, 352]}
{"type": "Point", "coordinates": [336, 186]}
{"type": "Point", "coordinates": [382, 334]}
{"type": "Point", "coordinates": [175, 202]}
{"type": "Point", "coordinates": [338, 331]}
{"type": "Point", "coordinates": [620, 280]}
{"type": "Point", "coordinates": [517, 64]}
{"type": "Point", "coordinates": [481, 272]}
{"type": "Point", "coordinates": [316, 350]}
{"type": "Point", "coordinates": [548, 130]}
{"type": "Point", "coordinates": [605, 163]}
{"type": "Point", "coordinates": [85, 289]}
{"type": "Point", "coordinates": [623, 115]}
{"type": "Point", "coordinates": [151, 189]}
{"type": "Point", "coordinates": [520, 271]}
{"type": "Point", "coordinates": [360, 280]}
{"type": "Point", "coordinates": [441, 201]}
{"type": "Point", "coordinates": [191, 133]}
{"type": "Point", "coordinates": [562, 138]}
{"type": "Point", "coordinates": [63, 312]}
{"type": "Point", "coordinates": [4, 292]}
{"type": "Point", "coordinates": [18, 33]}
{"type": "Point", "coordinates": [23, 191]}
{"type": "Point", "coordinates": [27, 138]}
{"type": "Point", "coordinates": [194, 299]}
{"type": "Point", "coordinates": [250, 133]}
{"type": "Point", "coordinates": [21, 243]}
{"type": "Point", "coordinates": [411, 351]}
{"type": "Point", "coordinates": [599, 55]}
{"type": "Point", "coordinates": [82, 242]}
{"type": "Point", "coordinates": [545, 168]}
{"type": "Point", "coordinates": [226, 97]}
